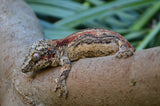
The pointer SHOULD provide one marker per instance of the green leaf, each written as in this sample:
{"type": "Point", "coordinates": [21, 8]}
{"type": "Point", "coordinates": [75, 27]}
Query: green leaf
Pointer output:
{"type": "Point", "coordinates": [134, 35]}
{"type": "Point", "coordinates": [47, 24]}
{"type": "Point", "coordinates": [123, 30]}
{"type": "Point", "coordinates": [57, 33]}
{"type": "Point", "coordinates": [96, 2]}
{"type": "Point", "coordinates": [50, 10]}
{"type": "Point", "coordinates": [94, 24]}
{"type": "Point", "coordinates": [108, 8]}
{"type": "Point", "coordinates": [115, 22]}
{"type": "Point", "coordinates": [66, 4]}
{"type": "Point", "coordinates": [149, 37]}
{"type": "Point", "coordinates": [146, 16]}
{"type": "Point", "coordinates": [125, 16]}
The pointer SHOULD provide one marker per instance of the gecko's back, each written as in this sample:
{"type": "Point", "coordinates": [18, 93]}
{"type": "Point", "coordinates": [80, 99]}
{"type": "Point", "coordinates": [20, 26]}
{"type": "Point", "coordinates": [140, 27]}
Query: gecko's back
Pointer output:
{"type": "Point", "coordinates": [89, 45]}
{"type": "Point", "coordinates": [92, 43]}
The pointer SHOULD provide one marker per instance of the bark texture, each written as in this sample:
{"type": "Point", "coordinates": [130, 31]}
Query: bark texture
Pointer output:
{"type": "Point", "coordinates": [92, 81]}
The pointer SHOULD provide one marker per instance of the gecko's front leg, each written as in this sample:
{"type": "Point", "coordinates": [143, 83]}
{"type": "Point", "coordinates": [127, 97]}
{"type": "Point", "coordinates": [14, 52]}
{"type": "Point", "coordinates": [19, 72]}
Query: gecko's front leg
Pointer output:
{"type": "Point", "coordinates": [61, 80]}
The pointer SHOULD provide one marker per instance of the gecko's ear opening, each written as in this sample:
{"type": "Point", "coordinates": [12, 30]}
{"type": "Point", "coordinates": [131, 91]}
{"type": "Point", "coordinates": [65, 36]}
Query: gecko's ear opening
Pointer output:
{"type": "Point", "coordinates": [53, 54]}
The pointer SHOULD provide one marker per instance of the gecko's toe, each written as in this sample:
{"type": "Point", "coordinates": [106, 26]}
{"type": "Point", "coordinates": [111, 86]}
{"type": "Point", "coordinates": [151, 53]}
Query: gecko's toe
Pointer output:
{"type": "Point", "coordinates": [124, 54]}
{"type": "Point", "coordinates": [119, 55]}
{"type": "Point", "coordinates": [61, 86]}
{"type": "Point", "coordinates": [129, 53]}
{"type": "Point", "coordinates": [64, 89]}
{"type": "Point", "coordinates": [57, 85]}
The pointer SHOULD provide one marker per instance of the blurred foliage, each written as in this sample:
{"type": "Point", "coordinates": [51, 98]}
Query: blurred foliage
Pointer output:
{"type": "Point", "coordinates": [137, 20]}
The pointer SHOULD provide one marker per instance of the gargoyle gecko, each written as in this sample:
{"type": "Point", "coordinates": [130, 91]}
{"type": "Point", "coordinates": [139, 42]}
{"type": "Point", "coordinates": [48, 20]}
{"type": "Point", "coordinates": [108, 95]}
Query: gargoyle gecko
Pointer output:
{"type": "Point", "coordinates": [94, 42]}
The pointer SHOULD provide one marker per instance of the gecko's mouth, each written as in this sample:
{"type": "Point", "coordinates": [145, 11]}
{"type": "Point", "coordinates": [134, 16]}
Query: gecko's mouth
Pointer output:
{"type": "Point", "coordinates": [24, 71]}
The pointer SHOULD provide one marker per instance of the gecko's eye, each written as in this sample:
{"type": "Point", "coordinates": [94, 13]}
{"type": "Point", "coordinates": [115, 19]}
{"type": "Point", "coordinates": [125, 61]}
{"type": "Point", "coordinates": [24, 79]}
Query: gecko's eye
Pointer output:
{"type": "Point", "coordinates": [36, 56]}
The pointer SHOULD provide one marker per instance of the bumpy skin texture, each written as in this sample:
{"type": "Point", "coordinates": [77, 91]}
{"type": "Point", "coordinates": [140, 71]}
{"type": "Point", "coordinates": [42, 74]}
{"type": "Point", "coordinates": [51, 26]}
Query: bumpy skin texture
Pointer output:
{"type": "Point", "coordinates": [86, 43]}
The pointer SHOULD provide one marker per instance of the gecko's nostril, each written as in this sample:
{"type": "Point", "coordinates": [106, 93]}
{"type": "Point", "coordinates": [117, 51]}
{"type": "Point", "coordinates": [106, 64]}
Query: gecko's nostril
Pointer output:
{"type": "Point", "coordinates": [24, 71]}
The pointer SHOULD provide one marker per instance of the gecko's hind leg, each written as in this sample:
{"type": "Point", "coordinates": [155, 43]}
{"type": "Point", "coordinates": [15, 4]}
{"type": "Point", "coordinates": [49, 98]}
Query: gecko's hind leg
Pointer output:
{"type": "Point", "coordinates": [124, 50]}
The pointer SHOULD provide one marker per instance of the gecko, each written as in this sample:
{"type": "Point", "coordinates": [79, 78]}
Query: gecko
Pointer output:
{"type": "Point", "coordinates": [95, 42]}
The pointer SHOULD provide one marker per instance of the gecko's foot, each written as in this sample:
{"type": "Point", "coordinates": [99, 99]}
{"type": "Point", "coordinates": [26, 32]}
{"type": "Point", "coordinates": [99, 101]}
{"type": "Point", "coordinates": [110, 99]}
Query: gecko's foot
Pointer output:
{"type": "Point", "coordinates": [125, 53]}
{"type": "Point", "coordinates": [61, 86]}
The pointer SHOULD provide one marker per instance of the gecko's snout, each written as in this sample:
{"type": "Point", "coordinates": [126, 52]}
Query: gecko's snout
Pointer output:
{"type": "Point", "coordinates": [26, 68]}
{"type": "Point", "coordinates": [24, 71]}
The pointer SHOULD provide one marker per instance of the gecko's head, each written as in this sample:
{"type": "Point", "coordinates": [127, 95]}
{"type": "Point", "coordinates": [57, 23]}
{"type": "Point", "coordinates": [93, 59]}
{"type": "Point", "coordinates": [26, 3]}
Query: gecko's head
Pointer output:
{"type": "Point", "coordinates": [38, 56]}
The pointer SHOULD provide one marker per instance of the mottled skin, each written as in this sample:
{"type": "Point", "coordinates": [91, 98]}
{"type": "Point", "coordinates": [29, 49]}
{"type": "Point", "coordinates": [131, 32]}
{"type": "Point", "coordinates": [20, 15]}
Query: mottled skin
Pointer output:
{"type": "Point", "coordinates": [85, 43]}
